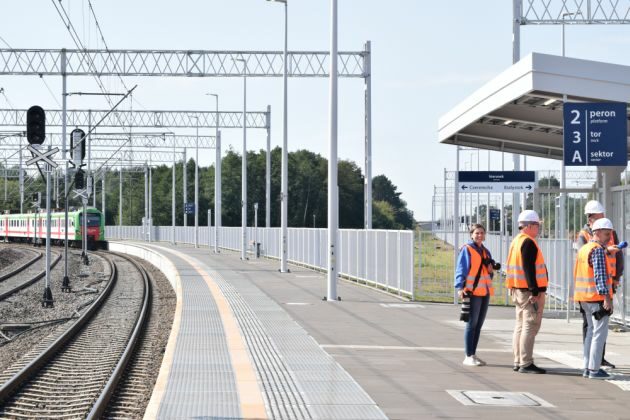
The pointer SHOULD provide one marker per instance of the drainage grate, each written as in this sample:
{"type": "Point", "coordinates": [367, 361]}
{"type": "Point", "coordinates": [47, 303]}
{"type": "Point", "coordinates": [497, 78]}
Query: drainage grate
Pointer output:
{"type": "Point", "coordinates": [498, 398]}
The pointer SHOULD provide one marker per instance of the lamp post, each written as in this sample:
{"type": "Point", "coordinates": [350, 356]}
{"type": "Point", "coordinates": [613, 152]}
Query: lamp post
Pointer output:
{"type": "Point", "coordinates": [284, 190]}
{"type": "Point", "coordinates": [244, 165]}
{"type": "Point", "coordinates": [197, 185]}
{"type": "Point", "coordinates": [217, 176]}
{"type": "Point", "coordinates": [333, 197]}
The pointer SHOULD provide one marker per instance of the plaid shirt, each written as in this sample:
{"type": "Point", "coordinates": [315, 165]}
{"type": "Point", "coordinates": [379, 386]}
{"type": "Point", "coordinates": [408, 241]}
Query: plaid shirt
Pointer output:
{"type": "Point", "coordinates": [598, 258]}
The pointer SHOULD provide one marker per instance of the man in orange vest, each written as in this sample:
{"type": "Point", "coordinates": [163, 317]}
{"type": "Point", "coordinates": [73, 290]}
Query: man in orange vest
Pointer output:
{"type": "Point", "coordinates": [527, 280]}
{"type": "Point", "coordinates": [593, 290]}
{"type": "Point", "coordinates": [594, 211]}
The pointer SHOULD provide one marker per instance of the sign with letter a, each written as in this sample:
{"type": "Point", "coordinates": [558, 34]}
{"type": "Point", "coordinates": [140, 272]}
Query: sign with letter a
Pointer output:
{"type": "Point", "coordinates": [595, 134]}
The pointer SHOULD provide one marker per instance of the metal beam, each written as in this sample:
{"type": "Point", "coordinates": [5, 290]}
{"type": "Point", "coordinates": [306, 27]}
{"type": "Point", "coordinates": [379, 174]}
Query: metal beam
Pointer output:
{"type": "Point", "coordinates": [118, 139]}
{"type": "Point", "coordinates": [584, 12]}
{"type": "Point", "coordinates": [140, 119]}
{"type": "Point", "coordinates": [176, 63]}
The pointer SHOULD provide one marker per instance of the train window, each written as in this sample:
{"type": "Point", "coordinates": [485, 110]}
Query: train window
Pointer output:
{"type": "Point", "coordinates": [92, 219]}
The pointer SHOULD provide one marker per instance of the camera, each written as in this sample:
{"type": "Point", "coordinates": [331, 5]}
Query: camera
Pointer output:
{"type": "Point", "coordinates": [601, 313]}
{"type": "Point", "coordinates": [464, 314]}
{"type": "Point", "coordinates": [489, 261]}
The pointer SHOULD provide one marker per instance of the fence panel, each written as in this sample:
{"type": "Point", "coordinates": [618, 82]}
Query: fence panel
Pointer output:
{"type": "Point", "coordinates": [379, 258]}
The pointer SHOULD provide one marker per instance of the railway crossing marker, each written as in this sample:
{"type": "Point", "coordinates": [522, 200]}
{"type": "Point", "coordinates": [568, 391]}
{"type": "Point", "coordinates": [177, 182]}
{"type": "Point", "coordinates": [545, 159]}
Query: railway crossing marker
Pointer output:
{"type": "Point", "coordinates": [45, 156]}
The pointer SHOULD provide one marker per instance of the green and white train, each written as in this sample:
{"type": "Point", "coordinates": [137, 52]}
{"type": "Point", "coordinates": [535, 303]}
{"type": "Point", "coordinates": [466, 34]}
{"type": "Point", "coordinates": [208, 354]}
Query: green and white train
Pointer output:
{"type": "Point", "coordinates": [31, 227]}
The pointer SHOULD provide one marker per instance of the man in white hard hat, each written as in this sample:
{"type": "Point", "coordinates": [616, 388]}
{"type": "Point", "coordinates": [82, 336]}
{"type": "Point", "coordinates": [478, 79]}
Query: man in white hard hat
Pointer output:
{"type": "Point", "coordinates": [593, 290]}
{"type": "Point", "coordinates": [594, 211]}
{"type": "Point", "coordinates": [527, 280]}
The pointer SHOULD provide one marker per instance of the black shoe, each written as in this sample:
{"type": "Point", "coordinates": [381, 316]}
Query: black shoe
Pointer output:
{"type": "Point", "coordinates": [606, 363]}
{"type": "Point", "coordinates": [515, 368]}
{"type": "Point", "coordinates": [532, 369]}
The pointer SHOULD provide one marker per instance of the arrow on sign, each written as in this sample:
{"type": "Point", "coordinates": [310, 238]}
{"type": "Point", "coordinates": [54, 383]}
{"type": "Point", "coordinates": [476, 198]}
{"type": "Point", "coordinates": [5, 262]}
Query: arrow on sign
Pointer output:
{"type": "Point", "coordinates": [42, 156]}
{"type": "Point", "coordinates": [529, 187]}
{"type": "Point", "coordinates": [464, 187]}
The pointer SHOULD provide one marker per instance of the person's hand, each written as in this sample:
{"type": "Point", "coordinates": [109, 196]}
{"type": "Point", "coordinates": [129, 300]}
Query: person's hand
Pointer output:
{"type": "Point", "coordinates": [460, 293]}
{"type": "Point", "coordinates": [608, 304]}
{"type": "Point", "coordinates": [533, 299]}
{"type": "Point", "coordinates": [612, 249]}
{"type": "Point", "coordinates": [490, 269]}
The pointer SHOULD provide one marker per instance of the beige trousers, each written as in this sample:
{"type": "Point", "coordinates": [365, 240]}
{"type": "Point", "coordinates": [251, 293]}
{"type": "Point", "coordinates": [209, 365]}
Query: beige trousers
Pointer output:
{"type": "Point", "coordinates": [527, 326]}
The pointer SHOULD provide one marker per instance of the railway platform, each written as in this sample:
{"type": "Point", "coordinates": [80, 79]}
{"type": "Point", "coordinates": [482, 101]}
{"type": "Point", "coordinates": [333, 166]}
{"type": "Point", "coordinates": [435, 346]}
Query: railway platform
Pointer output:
{"type": "Point", "coordinates": [250, 342]}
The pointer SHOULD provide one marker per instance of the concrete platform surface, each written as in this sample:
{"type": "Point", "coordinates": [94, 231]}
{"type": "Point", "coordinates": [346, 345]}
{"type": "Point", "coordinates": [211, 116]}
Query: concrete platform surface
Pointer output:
{"type": "Point", "coordinates": [407, 356]}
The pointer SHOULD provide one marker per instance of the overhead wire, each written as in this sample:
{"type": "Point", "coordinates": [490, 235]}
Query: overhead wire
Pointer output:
{"type": "Point", "coordinates": [61, 11]}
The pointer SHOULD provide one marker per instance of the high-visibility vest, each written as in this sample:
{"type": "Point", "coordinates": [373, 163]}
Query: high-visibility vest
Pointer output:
{"type": "Point", "coordinates": [485, 281]}
{"type": "Point", "coordinates": [611, 260]}
{"type": "Point", "coordinates": [584, 275]}
{"type": "Point", "coordinates": [515, 275]}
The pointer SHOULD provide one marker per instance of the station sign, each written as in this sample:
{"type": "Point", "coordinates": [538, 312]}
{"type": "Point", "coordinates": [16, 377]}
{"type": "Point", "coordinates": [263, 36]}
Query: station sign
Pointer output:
{"type": "Point", "coordinates": [495, 214]}
{"type": "Point", "coordinates": [595, 134]}
{"type": "Point", "coordinates": [496, 181]}
{"type": "Point", "coordinates": [189, 208]}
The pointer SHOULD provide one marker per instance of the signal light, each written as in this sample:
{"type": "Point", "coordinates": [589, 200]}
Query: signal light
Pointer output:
{"type": "Point", "coordinates": [35, 125]}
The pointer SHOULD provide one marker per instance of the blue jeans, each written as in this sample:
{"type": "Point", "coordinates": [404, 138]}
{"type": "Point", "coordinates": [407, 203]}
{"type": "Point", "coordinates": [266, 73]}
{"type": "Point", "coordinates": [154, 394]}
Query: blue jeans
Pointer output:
{"type": "Point", "coordinates": [478, 311]}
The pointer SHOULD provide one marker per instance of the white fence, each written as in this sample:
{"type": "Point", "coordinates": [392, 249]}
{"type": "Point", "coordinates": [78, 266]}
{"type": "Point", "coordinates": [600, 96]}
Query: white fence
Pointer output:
{"type": "Point", "coordinates": [380, 258]}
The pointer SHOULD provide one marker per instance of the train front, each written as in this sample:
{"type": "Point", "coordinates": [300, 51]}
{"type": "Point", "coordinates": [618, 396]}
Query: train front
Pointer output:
{"type": "Point", "coordinates": [95, 228]}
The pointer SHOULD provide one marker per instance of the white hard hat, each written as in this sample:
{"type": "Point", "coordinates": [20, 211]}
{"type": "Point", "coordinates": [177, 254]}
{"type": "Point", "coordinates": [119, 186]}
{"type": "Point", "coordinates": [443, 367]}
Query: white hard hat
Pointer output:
{"type": "Point", "coordinates": [528, 216]}
{"type": "Point", "coordinates": [602, 223]}
{"type": "Point", "coordinates": [594, 207]}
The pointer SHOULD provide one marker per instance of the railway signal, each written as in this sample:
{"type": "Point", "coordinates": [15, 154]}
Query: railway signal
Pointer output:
{"type": "Point", "coordinates": [77, 147]}
{"type": "Point", "coordinates": [35, 125]}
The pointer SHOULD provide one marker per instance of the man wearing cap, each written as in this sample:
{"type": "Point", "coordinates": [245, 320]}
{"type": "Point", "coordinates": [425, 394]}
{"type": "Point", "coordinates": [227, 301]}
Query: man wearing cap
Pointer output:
{"type": "Point", "coordinates": [526, 279]}
{"type": "Point", "coordinates": [594, 211]}
{"type": "Point", "coordinates": [593, 291]}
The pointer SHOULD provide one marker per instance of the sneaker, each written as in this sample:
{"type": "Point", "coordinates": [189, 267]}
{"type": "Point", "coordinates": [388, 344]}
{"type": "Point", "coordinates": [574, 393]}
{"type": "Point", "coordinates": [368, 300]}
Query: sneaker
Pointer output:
{"type": "Point", "coordinates": [532, 369]}
{"type": "Point", "coordinates": [585, 373]}
{"type": "Point", "coordinates": [478, 360]}
{"type": "Point", "coordinates": [607, 364]}
{"type": "Point", "coordinates": [515, 368]}
{"type": "Point", "coordinates": [470, 361]}
{"type": "Point", "coordinates": [600, 374]}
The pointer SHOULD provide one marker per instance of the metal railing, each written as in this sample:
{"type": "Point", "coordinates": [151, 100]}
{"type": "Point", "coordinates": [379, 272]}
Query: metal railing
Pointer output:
{"type": "Point", "coordinates": [383, 259]}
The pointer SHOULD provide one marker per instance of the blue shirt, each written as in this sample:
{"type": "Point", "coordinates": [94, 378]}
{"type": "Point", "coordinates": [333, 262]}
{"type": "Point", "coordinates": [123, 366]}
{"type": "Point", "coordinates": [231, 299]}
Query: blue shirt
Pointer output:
{"type": "Point", "coordinates": [463, 263]}
{"type": "Point", "coordinates": [598, 259]}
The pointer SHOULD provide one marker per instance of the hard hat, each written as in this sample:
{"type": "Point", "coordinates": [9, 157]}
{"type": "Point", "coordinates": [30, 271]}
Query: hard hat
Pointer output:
{"type": "Point", "coordinates": [594, 207]}
{"type": "Point", "coordinates": [528, 216]}
{"type": "Point", "coordinates": [602, 223]}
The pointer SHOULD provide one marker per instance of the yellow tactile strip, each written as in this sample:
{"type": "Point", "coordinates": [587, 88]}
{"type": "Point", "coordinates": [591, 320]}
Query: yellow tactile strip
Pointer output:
{"type": "Point", "coordinates": [250, 395]}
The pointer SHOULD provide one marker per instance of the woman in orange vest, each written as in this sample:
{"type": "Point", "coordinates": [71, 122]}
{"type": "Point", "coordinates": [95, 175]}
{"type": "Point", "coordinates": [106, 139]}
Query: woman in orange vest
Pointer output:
{"type": "Point", "coordinates": [473, 279]}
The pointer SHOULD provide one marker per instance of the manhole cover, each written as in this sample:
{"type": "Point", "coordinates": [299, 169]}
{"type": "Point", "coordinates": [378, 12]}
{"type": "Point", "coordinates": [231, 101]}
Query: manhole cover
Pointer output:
{"type": "Point", "coordinates": [402, 305]}
{"type": "Point", "coordinates": [498, 398]}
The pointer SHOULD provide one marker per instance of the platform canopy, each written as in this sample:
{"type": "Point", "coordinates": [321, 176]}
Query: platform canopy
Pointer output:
{"type": "Point", "coordinates": [520, 110]}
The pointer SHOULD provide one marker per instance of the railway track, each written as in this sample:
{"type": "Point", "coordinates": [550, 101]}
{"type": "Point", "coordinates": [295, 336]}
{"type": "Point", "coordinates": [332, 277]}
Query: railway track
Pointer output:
{"type": "Point", "coordinates": [38, 255]}
{"type": "Point", "coordinates": [14, 281]}
{"type": "Point", "coordinates": [76, 375]}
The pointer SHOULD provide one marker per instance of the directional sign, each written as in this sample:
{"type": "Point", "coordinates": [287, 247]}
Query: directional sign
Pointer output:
{"type": "Point", "coordinates": [595, 134]}
{"type": "Point", "coordinates": [189, 208]}
{"type": "Point", "coordinates": [42, 156]}
{"type": "Point", "coordinates": [497, 181]}
{"type": "Point", "coordinates": [495, 214]}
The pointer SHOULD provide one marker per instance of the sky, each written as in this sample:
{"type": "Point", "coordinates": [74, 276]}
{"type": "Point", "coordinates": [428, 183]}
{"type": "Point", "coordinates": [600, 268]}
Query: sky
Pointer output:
{"type": "Point", "coordinates": [427, 56]}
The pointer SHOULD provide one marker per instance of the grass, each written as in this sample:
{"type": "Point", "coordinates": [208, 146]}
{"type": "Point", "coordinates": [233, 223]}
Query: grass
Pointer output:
{"type": "Point", "coordinates": [438, 272]}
